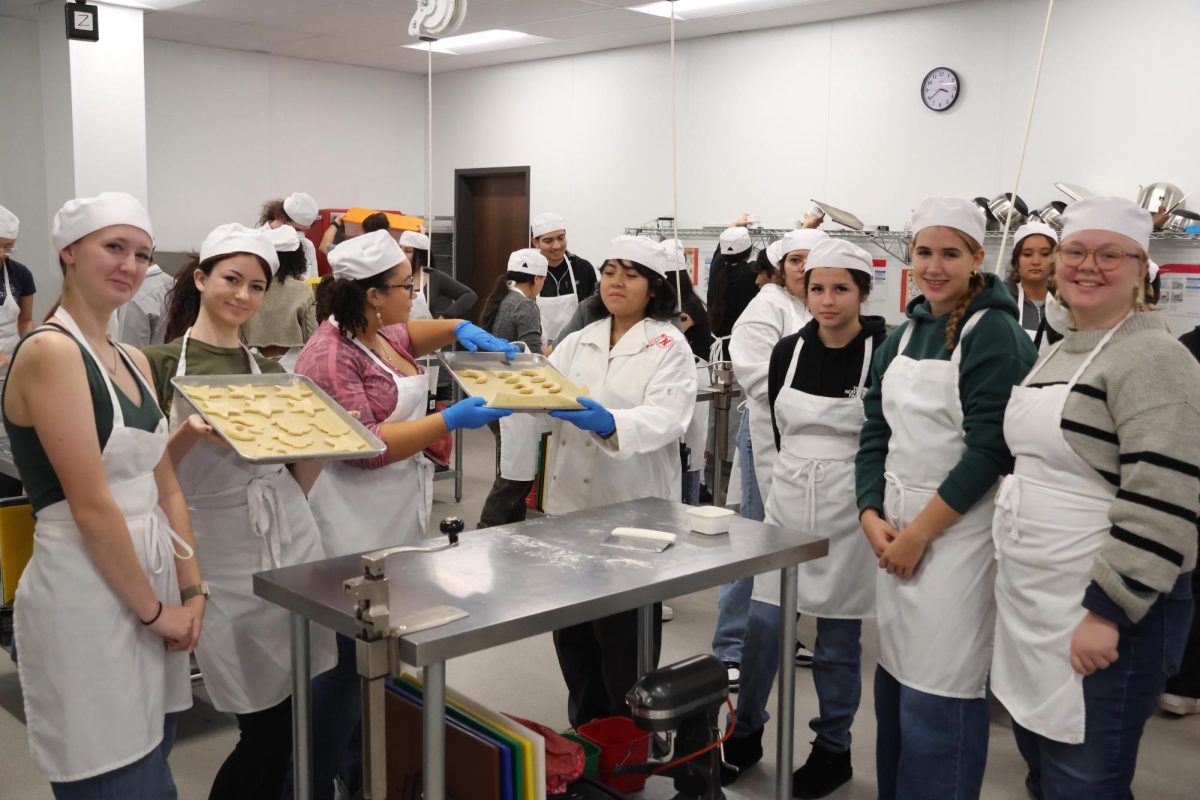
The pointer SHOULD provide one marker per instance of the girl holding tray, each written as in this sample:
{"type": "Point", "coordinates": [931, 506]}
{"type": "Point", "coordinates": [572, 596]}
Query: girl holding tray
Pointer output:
{"type": "Point", "coordinates": [364, 356]}
{"type": "Point", "coordinates": [247, 517]}
{"type": "Point", "coordinates": [623, 445]}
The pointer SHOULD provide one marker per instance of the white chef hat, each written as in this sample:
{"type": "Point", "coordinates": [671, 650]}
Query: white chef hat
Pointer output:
{"type": "Point", "coordinates": [1034, 228]}
{"type": "Point", "coordinates": [640, 250]}
{"type": "Point", "coordinates": [1114, 214]}
{"type": "Point", "coordinates": [528, 260]}
{"type": "Point", "coordinates": [831, 252]}
{"type": "Point", "coordinates": [1152, 272]}
{"type": "Point", "coordinates": [232, 238]}
{"type": "Point", "coordinates": [800, 239]}
{"type": "Point", "coordinates": [735, 240]}
{"type": "Point", "coordinates": [365, 256]}
{"type": "Point", "coordinates": [9, 224]}
{"type": "Point", "coordinates": [417, 241]}
{"type": "Point", "coordinates": [547, 222]}
{"type": "Point", "coordinates": [775, 252]}
{"type": "Point", "coordinates": [302, 208]}
{"type": "Point", "coordinates": [673, 249]}
{"type": "Point", "coordinates": [950, 212]}
{"type": "Point", "coordinates": [285, 238]}
{"type": "Point", "coordinates": [83, 215]}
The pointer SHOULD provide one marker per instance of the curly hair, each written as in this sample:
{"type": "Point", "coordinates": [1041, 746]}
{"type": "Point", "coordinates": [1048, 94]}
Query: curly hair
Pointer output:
{"type": "Point", "coordinates": [346, 300]}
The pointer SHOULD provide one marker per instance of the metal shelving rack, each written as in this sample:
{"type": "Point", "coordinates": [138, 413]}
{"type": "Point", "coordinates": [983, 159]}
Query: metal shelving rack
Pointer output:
{"type": "Point", "coordinates": [895, 243]}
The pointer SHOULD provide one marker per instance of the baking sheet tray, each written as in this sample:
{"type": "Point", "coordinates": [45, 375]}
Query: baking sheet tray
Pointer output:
{"type": "Point", "coordinates": [374, 445]}
{"type": "Point", "coordinates": [839, 216]}
{"type": "Point", "coordinates": [492, 363]}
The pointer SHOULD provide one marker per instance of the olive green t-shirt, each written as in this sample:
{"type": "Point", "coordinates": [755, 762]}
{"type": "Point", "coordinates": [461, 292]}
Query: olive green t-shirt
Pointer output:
{"type": "Point", "coordinates": [41, 483]}
{"type": "Point", "coordinates": [202, 359]}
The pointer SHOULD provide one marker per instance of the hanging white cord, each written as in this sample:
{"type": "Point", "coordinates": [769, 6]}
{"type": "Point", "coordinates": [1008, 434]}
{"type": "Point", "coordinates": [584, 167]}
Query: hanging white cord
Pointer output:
{"type": "Point", "coordinates": [429, 144]}
{"type": "Point", "coordinates": [1037, 79]}
{"type": "Point", "coordinates": [675, 168]}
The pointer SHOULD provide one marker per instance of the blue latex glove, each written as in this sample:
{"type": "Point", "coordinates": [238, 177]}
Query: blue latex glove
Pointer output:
{"type": "Point", "coordinates": [471, 413]}
{"type": "Point", "coordinates": [474, 338]}
{"type": "Point", "coordinates": [594, 417]}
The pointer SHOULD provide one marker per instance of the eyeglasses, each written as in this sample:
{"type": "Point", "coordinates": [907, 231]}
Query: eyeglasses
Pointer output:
{"type": "Point", "coordinates": [1106, 258]}
{"type": "Point", "coordinates": [410, 287]}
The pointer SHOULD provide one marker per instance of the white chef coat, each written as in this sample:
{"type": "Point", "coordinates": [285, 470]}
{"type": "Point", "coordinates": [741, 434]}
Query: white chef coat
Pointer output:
{"type": "Point", "coordinates": [647, 381]}
{"type": "Point", "coordinates": [773, 314]}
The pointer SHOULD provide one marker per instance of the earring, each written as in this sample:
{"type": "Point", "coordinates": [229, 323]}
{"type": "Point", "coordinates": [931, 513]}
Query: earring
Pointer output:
{"type": "Point", "coordinates": [378, 316]}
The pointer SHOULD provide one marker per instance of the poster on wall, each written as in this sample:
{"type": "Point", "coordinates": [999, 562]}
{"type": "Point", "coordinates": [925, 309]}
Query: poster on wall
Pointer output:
{"type": "Point", "coordinates": [908, 288]}
{"type": "Point", "coordinates": [692, 256]}
{"type": "Point", "coordinates": [1179, 293]}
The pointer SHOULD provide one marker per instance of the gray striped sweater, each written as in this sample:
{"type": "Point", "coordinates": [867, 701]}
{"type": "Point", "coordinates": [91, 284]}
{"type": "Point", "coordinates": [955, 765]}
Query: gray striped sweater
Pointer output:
{"type": "Point", "coordinates": [1134, 416]}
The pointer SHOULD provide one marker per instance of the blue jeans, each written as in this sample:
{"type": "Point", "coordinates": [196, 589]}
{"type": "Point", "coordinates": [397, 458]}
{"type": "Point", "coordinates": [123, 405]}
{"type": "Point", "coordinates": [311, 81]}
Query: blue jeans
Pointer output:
{"type": "Point", "coordinates": [336, 726]}
{"type": "Point", "coordinates": [929, 747]}
{"type": "Point", "coordinates": [1118, 700]}
{"type": "Point", "coordinates": [691, 488]}
{"type": "Point", "coordinates": [836, 669]}
{"type": "Point", "coordinates": [733, 603]}
{"type": "Point", "coordinates": [148, 778]}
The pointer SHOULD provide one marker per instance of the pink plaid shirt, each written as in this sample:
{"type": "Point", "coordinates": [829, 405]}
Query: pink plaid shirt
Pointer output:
{"type": "Point", "coordinates": [353, 379]}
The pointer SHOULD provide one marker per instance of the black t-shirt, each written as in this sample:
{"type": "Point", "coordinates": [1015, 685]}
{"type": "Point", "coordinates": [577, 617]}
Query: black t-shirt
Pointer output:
{"type": "Point", "coordinates": [821, 371]}
{"type": "Point", "coordinates": [20, 278]}
{"type": "Point", "coordinates": [1191, 340]}
{"type": "Point", "coordinates": [558, 282]}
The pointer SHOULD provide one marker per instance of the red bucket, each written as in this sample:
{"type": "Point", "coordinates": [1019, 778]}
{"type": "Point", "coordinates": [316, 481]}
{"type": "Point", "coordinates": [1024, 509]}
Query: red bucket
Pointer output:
{"type": "Point", "coordinates": [622, 744]}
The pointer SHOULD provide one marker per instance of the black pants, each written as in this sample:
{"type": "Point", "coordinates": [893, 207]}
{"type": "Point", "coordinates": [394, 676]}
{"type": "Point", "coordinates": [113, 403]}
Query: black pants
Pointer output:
{"type": "Point", "coordinates": [505, 503]}
{"type": "Point", "coordinates": [598, 660]}
{"type": "Point", "coordinates": [260, 760]}
{"type": "Point", "coordinates": [1186, 682]}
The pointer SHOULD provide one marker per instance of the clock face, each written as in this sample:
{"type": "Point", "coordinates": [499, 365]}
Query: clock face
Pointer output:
{"type": "Point", "coordinates": [940, 88]}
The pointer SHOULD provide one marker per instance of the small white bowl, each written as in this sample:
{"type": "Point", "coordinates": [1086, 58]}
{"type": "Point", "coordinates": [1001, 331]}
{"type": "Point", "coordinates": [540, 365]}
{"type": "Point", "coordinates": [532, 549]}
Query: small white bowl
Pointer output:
{"type": "Point", "coordinates": [710, 520]}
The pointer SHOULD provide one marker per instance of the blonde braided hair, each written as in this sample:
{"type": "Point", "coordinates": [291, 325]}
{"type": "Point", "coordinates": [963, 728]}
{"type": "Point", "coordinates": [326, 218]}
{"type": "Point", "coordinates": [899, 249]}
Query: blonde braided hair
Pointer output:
{"type": "Point", "coordinates": [974, 287]}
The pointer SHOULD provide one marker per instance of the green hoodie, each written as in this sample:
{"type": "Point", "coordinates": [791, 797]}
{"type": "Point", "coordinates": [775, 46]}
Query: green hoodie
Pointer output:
{"type": "Point", "coordinates": [995, 356]}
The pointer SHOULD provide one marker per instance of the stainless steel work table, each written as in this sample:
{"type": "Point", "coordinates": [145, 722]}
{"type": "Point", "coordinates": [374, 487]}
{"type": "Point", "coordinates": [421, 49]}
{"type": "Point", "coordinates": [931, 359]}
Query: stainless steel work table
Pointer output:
{"type": "Point", "coordinates": [528, 578]}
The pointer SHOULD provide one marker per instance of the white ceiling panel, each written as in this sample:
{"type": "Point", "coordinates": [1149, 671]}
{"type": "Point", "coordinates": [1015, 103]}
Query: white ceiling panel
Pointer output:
{"type": "Point", "coordinates": [220, 33]}
{"type": "Point", "coordinates": [369, 32]}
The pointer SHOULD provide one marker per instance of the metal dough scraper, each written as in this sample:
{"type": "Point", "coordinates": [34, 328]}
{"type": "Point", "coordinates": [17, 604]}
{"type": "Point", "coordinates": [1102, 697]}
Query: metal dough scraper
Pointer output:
{"type": "Point", "coordinates": [640, 539]}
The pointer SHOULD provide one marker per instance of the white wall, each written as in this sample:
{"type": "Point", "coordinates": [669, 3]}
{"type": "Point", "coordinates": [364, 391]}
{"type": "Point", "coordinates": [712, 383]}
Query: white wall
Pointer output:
{"type": "Point", "coordinates": [22, 164]}
{"type": "Point", "coordinates": [768, 119]}
{"type": "Point", "coordinates": [227, 130]}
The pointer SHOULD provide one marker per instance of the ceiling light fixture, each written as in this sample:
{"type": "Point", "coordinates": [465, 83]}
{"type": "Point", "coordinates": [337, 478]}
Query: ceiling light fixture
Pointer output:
{"type": "Point", "coordinates": [699, 9]}
{"type": "Point", "coordinates": [481, 42]}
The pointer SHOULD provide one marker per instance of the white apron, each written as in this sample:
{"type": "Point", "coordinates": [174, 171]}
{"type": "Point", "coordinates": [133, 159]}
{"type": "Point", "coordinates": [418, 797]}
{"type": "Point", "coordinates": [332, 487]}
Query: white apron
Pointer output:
{"type": "Point", "coordinates": [519, 452]}
{"type": "Point", "coordinates": [557, 311]}
{"type": "Point", "coordinates": [813, 492]}
{"type": "Point", "coordinates": [97, 682]}
{"type": "Point", "coordinates": [10, 310]}
{"type": "Point", "coordinates": [1051, 519]}
{"type": "Point", "coordinates": [247, 518]}
{"type": "Point", "coordinates": [935, 629]}
{"type": "Point", "coordinates": [420, 302]}
{"type": "Point", "coordinates": [696, 437]}
{"type": "Point", "coordinates": [368, 509]}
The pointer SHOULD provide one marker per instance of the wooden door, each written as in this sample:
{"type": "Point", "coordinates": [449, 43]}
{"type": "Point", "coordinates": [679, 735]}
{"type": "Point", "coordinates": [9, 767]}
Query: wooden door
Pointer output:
{"type": "Point", "coordinates": [491, 219]}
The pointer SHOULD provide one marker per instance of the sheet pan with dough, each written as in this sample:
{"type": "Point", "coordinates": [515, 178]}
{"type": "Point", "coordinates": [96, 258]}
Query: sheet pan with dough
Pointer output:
{"type": "Point", "coordinates": [529, 383]}
{"type": "Point", "coordinates": [277, 419]}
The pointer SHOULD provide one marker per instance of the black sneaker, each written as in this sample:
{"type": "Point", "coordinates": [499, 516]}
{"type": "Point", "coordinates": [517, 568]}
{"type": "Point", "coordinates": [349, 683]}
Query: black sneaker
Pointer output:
{"type": "Point", "coordinates": [735, 675]}
{"type": "Point", "coordinates": [804, 656]}
{"type": "Point", "coordinates": [824, 771]}
{"type": "Point", "coordinates": [1032, 787]}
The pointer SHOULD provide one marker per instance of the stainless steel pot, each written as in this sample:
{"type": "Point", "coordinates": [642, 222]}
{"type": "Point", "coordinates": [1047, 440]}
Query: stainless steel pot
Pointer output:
{"type": "Point", "coordinates": [1052, 213]}
{"type": "Point", "coordinates": [991, 224]}
{"type": "Point", "coordinates": [1159, 195]}
{"type": "Point", "coordinates": [1180, 220]}
{"type": "Point", "coordinates": [1010, 207]}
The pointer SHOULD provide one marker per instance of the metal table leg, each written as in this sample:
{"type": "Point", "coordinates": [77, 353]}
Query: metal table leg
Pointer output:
{"type": "Point", "coordinates": [787, 682]}
{"type": "Point", "coordinates": [301, 709]}
{"type": "Point", "coordinates": [645, 640]}
{"type": "Point", "coordinates": [458, 465]}
{"type": "Point", "coordinates": [434, 765]}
